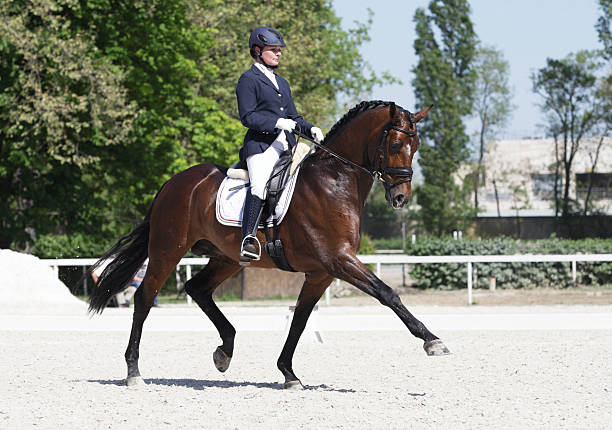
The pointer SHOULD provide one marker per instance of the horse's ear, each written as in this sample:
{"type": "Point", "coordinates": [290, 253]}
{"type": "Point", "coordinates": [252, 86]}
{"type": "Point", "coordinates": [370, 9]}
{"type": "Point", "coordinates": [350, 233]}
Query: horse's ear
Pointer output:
{"type": "Point", "coordinates": [392, 110]}
{"type": "Point", "coordinates": [422, 114]}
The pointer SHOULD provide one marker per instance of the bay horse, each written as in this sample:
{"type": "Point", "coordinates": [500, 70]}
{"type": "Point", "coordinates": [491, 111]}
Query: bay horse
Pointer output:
{"type": "Point", "coordinates": [320, 232]}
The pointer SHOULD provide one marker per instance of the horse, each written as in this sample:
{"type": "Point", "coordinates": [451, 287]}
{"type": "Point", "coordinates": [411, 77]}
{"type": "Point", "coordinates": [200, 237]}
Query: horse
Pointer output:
{"type": "Point", "coordinates": [320, 232]}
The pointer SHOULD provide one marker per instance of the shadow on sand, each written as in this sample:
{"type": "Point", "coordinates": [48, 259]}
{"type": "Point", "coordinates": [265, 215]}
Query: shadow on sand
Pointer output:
{"type": "Point", "coordinates": [201, 384]}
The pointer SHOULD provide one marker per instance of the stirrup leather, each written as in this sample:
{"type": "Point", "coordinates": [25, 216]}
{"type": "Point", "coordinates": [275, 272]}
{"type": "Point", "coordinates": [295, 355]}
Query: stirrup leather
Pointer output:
{"type": "Point", "coordinates": [248, 253]}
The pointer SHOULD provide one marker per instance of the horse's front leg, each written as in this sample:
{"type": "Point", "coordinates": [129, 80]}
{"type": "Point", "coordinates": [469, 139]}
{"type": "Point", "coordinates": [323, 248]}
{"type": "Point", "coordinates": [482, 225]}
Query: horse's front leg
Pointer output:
{"type": "Point", "coordinates": [348, 268]}
{"type": "Point", "coordinates": [312, 290]}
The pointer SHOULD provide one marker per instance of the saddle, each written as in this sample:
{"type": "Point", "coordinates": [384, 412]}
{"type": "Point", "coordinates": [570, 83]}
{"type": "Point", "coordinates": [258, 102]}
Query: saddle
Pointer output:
{"type": "Point", "coordinates": [284, 168]}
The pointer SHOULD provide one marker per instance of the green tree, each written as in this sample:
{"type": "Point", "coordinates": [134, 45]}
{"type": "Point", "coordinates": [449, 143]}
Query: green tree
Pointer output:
{"type": "Point", "coordinates": [322, 62]}
{"type": "Point", "coordinates": [444, 76]}
{"type": "Point", "coordinates": [604, 27]}
{"type": "Point", "coordinates": [573, 112]}
{"type": "Point", "coordinates": [62, 107]}
{"type": "Point", "coordinates": [492, 103]}
{"type": "Point", "coordinates": [168, 73]}
{"type": "Point", "coordinates": [102, 101]}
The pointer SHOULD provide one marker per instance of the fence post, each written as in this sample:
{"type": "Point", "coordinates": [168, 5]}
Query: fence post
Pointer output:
{"type": "Point", "coordinates": [187, 278]}
{"type": "Point", "coordinates": [85, 280]}
{"type": "Point", "coordinates": [574, 271]}
{"type": "Point", "coordinates": [378, 269]}
{"type": "Point", "coordinates": [469, 282]}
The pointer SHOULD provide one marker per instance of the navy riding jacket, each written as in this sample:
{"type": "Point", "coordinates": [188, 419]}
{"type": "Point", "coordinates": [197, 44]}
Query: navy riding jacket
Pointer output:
{"type": "Point", "coordinates": [260, 105]}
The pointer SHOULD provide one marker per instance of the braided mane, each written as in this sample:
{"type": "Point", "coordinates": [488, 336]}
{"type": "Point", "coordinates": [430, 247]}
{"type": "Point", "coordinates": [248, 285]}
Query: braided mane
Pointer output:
{"type": "Point", "coordinates": [361, 107]}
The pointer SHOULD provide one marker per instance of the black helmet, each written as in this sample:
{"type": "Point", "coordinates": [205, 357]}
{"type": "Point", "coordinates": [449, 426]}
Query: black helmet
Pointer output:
{"type": "Point", "coordinates": [265, 36]}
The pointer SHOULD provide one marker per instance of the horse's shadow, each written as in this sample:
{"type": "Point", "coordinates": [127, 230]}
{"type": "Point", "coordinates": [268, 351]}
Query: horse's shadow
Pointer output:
{"type": "Point", "coordinates": [202, 384]}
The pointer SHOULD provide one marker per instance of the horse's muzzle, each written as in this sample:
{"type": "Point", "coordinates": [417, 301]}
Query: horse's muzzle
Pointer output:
{"type": "Point", "coordinates": [398, 201]}
{"type": "Point", "coordinates": [397, 198]}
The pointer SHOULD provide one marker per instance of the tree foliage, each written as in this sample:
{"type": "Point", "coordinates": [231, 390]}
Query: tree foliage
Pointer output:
{"type": "Point", "coordinates": [444, 76]}
{"type": "Point", "coordinates": [492, 103]}
{"type": "Point", "coordinates": [321, 61]}
{"type": "Point", "coordinates": [102, 101]}
{"type": "Point", "coordinates": [61, 106]}
{"type": "Point", "coordinates": [604, 27]}
{"type": "Point", "coordinates": [573, 108]}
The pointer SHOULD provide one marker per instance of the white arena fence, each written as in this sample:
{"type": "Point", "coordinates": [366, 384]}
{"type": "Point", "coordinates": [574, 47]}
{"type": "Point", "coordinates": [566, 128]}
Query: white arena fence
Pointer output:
{"type": "Point", "coordinates": [391, 259]}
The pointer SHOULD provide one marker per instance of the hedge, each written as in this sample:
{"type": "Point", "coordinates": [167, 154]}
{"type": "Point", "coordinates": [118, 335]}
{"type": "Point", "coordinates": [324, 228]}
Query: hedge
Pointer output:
{"type": "Point", "coordinates": [510, 275]}
{"type": "Point", "coordinates": [69, 246]}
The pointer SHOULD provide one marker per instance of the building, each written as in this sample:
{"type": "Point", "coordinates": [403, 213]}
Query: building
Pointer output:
{"type": "Point", "coordinates": [518, 187]}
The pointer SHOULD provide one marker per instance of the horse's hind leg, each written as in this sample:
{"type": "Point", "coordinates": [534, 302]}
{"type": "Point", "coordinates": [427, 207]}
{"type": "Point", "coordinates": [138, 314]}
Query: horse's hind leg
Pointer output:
{"type": "Point", "coordinates": [158, 271]}
{"type": "Point", "coordinates": [312, 290]}
{"type": "Point", "coordinates": [201, 288]}
{"type": "Point", "coordinates": [350, 269]}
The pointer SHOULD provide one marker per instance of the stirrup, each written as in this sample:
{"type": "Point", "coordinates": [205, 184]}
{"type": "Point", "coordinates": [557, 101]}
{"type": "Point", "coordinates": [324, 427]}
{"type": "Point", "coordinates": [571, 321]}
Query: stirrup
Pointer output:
{"type": "Point", "coordinates": [245, 255]}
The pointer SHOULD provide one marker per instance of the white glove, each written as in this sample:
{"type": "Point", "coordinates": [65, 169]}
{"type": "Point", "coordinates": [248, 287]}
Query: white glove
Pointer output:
{"type": "Point", "coordinates": [317, 134]}
{"type": "Point", "coordinates": [285, 124]}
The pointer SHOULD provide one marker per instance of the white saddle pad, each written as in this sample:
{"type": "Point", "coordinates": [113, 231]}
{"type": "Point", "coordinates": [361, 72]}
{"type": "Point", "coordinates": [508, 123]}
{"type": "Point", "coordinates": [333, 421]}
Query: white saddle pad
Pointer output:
{"type": "Point", "coordinates": [230, 203]}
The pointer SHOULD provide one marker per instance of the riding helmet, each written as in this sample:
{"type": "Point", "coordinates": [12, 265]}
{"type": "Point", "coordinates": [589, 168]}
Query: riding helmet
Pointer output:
{"type": "Point", "coordinates": [265, 36]}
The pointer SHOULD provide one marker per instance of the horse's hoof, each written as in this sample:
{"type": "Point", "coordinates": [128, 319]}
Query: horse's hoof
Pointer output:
{"type": "Point", "coordinates": [221, 360]}
{"type": "Point", "coordinates": [435, 347]}
{"type": "Point", "coordinates": [293, 385]}
{"type": "Point", "coordinates": [133, 381]}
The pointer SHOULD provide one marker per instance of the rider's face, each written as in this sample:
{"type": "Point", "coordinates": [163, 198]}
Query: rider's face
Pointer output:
{"type": "Point", "coordinates": [272, 54]}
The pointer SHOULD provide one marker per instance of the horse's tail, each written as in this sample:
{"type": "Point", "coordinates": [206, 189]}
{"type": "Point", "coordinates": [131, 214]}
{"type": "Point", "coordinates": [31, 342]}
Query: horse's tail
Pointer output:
{"type": "Point", "coordinates": [127, 255]}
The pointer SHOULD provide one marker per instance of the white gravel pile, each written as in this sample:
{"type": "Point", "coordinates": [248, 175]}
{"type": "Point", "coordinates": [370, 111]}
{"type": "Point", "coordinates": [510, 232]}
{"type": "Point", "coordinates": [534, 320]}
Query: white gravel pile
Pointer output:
{"type": "Point", "coordinates": [28, 286]}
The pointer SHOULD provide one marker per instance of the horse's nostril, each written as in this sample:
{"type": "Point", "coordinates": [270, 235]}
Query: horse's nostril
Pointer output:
{"type": "Point", "coordinates": [399, 199]}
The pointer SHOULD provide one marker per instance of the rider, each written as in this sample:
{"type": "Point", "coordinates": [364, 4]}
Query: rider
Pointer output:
{"type": "Point", "coordinates": [266, 108]}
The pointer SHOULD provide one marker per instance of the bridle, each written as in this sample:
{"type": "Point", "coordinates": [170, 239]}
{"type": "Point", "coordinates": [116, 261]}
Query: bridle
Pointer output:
{"type": "Point", "coordinates": [382, 153]}
{"type": "Point", "coordinates": [402, 171]}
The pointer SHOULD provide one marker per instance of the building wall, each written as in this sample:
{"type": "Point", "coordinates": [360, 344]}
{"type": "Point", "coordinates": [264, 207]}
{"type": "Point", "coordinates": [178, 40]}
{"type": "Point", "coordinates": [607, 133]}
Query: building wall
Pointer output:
{"type": "Point", "coordinates": [521, 171]}
{"type": "Point", "coordinates": [255, 283]}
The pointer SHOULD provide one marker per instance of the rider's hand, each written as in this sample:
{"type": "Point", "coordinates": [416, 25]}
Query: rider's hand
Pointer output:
{"type": "Point", "coordinates": [317, 134]}
{"type": "Point", "coordinates": [285, 124]}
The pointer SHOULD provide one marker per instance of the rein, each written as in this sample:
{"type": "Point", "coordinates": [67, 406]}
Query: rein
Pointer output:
{"type": "Point", "coordinates": [381, 151]}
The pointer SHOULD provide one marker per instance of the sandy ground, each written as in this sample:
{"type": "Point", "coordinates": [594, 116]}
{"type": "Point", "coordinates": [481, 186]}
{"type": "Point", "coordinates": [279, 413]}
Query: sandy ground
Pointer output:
{"type": "Point", "coordinates": [497, 377]}
{"type": "Point", "coordinates": [520, 360]}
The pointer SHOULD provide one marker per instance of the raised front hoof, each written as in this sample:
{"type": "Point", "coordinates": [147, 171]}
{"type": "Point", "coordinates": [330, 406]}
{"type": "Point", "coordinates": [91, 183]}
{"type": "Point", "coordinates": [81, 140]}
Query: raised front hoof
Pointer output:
{"type": "Point", "coordinates": [293, 385]}
{"type": "Point", "coordinates": [435, 347]}
{"type": "Point", "coordinates": [221, 360]}
{"type": "Point", "coordinates": [134, 381]}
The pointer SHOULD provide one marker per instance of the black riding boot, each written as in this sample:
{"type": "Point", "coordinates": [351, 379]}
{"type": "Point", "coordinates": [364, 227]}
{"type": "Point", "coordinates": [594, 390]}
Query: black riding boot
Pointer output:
{"type": "Point", "coordinates": [249, 250]}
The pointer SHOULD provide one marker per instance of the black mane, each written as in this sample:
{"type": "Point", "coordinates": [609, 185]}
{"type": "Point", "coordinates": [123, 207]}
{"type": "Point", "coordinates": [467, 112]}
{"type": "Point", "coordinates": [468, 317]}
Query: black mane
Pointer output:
{"type": "Point", "coordinates": [361, 107]}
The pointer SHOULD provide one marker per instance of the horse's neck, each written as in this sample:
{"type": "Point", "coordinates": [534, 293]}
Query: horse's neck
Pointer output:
{"type": "Point", "coordinates": [357, 138]}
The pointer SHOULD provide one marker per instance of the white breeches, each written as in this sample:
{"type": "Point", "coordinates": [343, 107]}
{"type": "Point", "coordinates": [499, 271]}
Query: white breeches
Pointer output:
{"type": "Point", "coordinates": [260, 168]}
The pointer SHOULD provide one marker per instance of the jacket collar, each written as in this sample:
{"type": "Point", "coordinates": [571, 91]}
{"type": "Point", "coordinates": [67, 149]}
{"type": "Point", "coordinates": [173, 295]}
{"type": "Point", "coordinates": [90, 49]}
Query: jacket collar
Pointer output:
{"type": "Point", "coordinates": [260, 75]}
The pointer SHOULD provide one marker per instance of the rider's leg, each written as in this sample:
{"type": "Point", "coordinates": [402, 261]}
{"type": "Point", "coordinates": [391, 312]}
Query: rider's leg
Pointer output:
{"type": "Point", "coordinates": [260, 168]}
{"type": "Point", "coordinates": [253, 207]}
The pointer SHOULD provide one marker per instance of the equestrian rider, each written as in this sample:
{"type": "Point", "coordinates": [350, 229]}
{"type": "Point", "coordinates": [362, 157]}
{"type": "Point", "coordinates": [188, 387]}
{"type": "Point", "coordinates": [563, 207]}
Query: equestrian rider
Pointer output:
{"type": "Point", "coordinates": [266, 108]}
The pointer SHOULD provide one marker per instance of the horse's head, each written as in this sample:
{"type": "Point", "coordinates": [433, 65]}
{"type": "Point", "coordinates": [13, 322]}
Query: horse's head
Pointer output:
{"type": "Point", "coordinates": [395, 153]}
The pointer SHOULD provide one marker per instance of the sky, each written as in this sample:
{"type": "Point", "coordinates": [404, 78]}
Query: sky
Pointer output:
{"type": "Point", "coordinates": [527, 32]}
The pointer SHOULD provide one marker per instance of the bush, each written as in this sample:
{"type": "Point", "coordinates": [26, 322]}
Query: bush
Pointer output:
{"type": "Point", "coordinates": [391, 243]}
{"type": "Point", "coordinates": [69, 246]}
{"type": "Point", "coordinates": [510, 275]}
{"type": "Point", "coordinates": [366, 246]}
